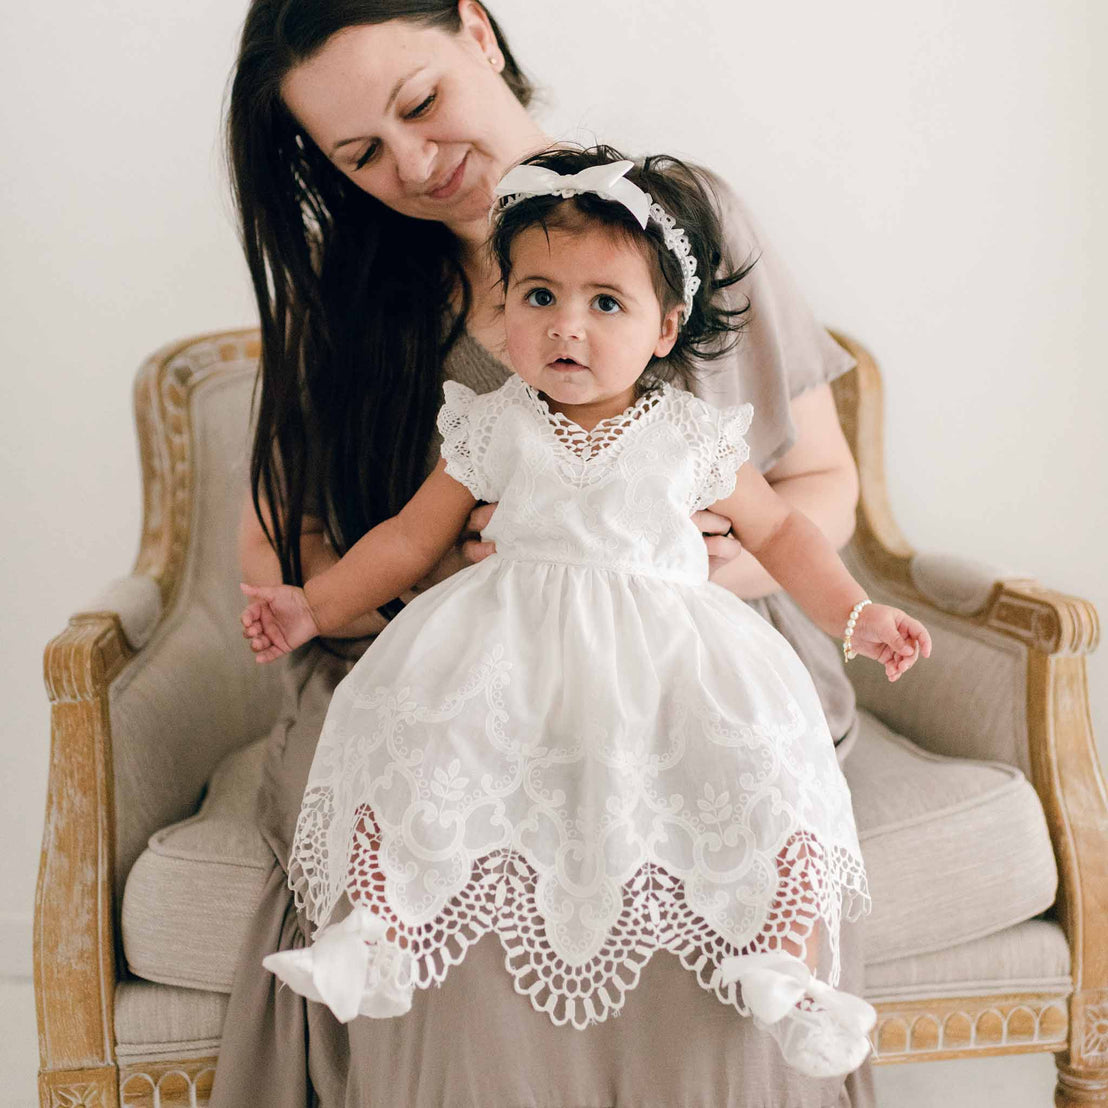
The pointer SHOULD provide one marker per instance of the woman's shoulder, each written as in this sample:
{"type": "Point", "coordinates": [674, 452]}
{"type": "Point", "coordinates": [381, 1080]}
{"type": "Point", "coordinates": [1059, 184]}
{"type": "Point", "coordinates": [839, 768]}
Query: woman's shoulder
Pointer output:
{"type": "Point", "coordinates": [734, 213]}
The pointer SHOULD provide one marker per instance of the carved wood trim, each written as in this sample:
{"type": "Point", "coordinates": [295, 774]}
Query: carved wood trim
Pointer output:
{"type": "Point", "coordinates": [1078, 1087]}
{"type": "Point", "coordinates": [1066, 772]}
{"type": "Point", "coordinates": [74, 949]}
{"type": "Point", "coordinates": [89, 1088]}
{"type": "Point", "coordinates": [163, 388]}
{"type": "Point", "coordinates": [968, 1027]}
{"type": "Point", "coordinates": [166, 1084]}
{"type": "Point", "coordinates": [859, 398]}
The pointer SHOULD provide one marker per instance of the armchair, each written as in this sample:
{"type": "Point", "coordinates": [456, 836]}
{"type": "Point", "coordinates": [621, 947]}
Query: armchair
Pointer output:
{"type": "Point", "coordinates": [152, 694]}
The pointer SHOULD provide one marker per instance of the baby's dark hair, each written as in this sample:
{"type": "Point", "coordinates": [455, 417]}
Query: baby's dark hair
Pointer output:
{"type": "Point", "coordinates": [684, 192]}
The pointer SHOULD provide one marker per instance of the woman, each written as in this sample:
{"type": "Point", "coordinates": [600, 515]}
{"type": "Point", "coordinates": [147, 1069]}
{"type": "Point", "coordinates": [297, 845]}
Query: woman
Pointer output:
{"type": "Point", "coordinates": [366, 137]}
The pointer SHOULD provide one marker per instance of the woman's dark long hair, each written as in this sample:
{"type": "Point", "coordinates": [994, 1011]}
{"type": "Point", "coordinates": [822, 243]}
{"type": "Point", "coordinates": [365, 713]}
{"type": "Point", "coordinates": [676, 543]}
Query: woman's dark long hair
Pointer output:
{"type": "Point", "coordinates": [353, 297]}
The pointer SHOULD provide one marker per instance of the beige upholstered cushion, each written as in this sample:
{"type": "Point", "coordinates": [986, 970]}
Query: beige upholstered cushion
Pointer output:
{"type": "Point", "coordinates": [955, 850]}
{"type": "Point", "coordinates": [191, 894]}
{"type": "Point", "coordinates": [155, 1020]}
{"type": "Point", "coordinates": [1031, 957]}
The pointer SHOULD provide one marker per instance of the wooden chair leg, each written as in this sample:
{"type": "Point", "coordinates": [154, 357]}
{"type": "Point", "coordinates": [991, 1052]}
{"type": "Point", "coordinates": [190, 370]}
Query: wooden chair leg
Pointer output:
{"type": "Point", "coordinates": [1083, 1069]}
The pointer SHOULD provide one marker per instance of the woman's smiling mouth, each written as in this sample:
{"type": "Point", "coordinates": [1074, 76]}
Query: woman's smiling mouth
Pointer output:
{"type": "Point", "coordinates": [452, 183]}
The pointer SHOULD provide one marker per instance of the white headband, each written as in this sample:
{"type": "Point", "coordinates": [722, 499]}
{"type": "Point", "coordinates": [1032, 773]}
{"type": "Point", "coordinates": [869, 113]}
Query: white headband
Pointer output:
{"type": "Point", "coordinates": [609, 183]}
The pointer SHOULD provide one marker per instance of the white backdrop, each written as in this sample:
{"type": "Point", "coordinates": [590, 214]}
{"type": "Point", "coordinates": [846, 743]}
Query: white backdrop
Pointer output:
{"type": "Point", "coordinates": [931, 172]}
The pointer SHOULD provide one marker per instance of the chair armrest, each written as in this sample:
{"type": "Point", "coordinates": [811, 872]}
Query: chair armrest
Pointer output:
{"type": "Point", "coordinates": [74, 955]}
{"type": "Point", "coordinates": [961, 586]}
{"type": "Point", "coordinates": [136, 601]}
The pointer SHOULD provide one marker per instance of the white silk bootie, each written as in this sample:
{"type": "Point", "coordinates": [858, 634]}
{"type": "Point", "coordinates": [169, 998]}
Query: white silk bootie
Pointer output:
{"type": "Point", "coordinates": [822, 1032]}
{"type": "Point", "coordinates": [350, 968]}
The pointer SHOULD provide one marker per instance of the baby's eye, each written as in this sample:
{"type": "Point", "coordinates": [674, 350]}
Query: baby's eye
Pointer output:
{"type": "Point", "coordinates": [540, 298]}
{"type": "Point", "coordinates": [607, 305]}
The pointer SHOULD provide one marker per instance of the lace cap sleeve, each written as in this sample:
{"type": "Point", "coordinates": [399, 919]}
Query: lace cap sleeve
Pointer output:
{"type": "Point", "coordinates": [462, 440]}
{"type": "Point", "coordinates": [725, 451]}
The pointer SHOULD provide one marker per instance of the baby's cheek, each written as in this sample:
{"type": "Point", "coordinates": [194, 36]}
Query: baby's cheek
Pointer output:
{"type": "Point", "coordinates": [521, 343]}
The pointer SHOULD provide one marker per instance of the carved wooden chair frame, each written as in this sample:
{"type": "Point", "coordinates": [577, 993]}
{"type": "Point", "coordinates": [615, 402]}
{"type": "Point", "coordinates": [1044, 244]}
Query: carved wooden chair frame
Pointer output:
{"type": "Point", "coordinates": [76, 959]}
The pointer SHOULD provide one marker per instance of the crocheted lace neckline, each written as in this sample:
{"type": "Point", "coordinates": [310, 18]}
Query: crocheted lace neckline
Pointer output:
{"type": "Point", "coordinates": [588, 444]}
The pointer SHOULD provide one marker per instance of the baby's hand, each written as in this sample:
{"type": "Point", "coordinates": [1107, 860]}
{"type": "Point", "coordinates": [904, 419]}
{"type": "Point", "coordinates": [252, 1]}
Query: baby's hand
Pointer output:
{"type": "Point", "coordinates": [277, 621]}
{"type": "Point", "coordinates": [890, 637]}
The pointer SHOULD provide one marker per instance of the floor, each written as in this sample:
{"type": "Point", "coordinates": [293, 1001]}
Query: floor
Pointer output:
{"type": "Point", "coordinates": [1019, 1082]}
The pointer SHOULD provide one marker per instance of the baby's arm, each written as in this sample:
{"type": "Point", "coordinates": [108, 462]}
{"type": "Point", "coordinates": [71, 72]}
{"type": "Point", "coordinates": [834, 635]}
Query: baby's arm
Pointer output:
{"type": "Point", "coordinates": [795, 553]}
{"type": "Point", "coordinates": [381, 565]}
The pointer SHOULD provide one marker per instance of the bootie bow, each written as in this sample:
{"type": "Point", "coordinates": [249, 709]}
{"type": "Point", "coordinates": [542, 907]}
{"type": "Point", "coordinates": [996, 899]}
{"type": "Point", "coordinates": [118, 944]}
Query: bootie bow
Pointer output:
{"type": "Point", "coordinates": [350, 968]}
{"type": "Point", "coordinates": [826, 1038]}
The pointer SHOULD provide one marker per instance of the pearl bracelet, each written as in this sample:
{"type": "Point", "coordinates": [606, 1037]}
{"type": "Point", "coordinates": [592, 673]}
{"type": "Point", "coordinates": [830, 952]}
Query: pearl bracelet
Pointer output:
{"type": "Point", "coordinates": [848, 650]}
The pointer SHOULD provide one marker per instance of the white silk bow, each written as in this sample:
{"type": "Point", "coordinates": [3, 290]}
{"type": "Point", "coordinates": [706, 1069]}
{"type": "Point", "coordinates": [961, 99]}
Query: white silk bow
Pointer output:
{"type": "Point", "coordinates": [773, 983]}
{"type": "Point", "coordinates": [335, 968]}
{"type": "Point", "coordinates": [606, 181]}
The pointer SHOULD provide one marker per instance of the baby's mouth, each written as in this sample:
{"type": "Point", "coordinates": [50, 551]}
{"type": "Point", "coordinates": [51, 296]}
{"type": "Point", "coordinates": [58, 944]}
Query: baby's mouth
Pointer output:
{"type": "Point", "coordinates": [567, 363]}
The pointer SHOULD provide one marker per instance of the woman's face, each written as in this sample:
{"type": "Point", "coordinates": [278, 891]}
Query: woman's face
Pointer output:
{"type": "Point", "coordinates": [418, 117]}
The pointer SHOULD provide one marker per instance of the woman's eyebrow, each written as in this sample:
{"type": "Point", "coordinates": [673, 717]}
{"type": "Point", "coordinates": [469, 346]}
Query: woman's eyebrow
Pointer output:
{"type": "Point", "coordinates": [388, 104]}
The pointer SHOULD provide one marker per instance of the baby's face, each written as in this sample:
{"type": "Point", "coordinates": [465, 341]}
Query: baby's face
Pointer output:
{"type": "Point", "coordinates": [582, 317]}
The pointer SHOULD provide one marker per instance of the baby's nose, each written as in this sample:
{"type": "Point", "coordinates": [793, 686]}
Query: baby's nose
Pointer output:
{"type": "Point", "coordinates": [567, 326]}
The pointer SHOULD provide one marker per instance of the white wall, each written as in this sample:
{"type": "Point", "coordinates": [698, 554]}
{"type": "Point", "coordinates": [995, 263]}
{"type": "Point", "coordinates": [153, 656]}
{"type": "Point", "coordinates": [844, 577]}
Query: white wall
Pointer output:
{"type": "Point", "coordinates": [930, 171]}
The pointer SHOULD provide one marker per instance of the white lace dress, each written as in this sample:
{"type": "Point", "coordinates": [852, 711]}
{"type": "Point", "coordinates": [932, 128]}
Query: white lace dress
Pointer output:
{"type": "Point", "coordinates": [580, 742]}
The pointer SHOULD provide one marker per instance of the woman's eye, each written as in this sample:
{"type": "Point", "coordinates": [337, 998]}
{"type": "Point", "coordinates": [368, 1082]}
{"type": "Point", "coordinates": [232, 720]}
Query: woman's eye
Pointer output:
{"type": "Point", "coordinates": [370, 150]}
{"type": "Point", "coordinates": [422, 108]}
{"type": "Point", "coordinates": [608, 305]}
{"type": "Point", "coordinates": [540, 298]}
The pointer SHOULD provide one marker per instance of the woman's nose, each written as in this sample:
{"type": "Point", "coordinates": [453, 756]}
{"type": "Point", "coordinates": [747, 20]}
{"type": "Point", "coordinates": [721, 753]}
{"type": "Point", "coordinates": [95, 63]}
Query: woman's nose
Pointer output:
{"type": "Point", "coordinates": [415, 159]}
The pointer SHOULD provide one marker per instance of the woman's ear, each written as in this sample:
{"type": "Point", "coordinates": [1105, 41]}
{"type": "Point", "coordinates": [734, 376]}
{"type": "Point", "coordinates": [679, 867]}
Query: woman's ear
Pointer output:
{"type": "Point", "coordinates": [671, 326]}
{"type": "Point", "coordinates": [475, 24]}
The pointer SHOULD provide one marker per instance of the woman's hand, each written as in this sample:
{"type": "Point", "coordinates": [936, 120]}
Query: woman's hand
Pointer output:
{"type": "Point", "coordinates": [722, 545]}
{"type": "Point", "coordinates": [277, 621]}
{"type": "Point", "coordinates": [469, 550]}
{"type": "Point", "coordinates": [889, 636]}
{"type": "Point", "coordinates": [473, 549]}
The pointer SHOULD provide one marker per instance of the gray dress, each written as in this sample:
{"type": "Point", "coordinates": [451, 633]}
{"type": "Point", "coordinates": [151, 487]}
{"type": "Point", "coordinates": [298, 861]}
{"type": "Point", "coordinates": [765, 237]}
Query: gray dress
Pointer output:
{"type": "Point", "coordinates": [474, 1042]}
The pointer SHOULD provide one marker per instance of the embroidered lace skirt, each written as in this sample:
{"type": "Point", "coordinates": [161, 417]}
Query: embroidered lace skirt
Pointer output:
{"type": "Point", "coordinates": [593, 765]}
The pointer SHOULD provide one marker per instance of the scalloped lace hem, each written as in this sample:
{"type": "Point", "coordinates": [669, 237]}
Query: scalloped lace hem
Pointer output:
{"type": "Point", "coordinates": [815, 887]}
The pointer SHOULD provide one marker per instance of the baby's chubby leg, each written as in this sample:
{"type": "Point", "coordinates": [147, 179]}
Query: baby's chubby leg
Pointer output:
{"type": "Point", "coordinates": [821, 1031]}
{"type": "Point", "coordinates": [361, 964]}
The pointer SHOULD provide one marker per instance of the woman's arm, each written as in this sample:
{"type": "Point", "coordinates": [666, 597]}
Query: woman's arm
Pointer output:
{"type": "Point", "coordinates": [260, 565]}
{"type": "Point", "coordinates": [257, 558]}
{"type": "Point", "coordinates": [817, 477]}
